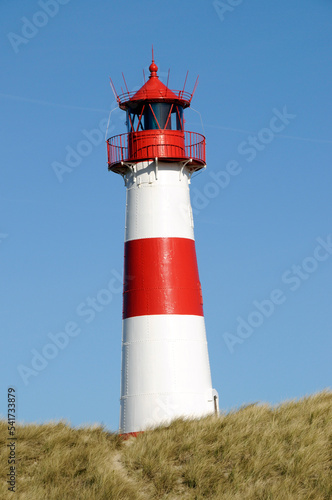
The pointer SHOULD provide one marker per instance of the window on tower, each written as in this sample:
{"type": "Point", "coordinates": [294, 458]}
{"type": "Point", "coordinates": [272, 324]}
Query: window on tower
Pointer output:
{"type": "Point", "coordinates": [178, 117]}
{"type": "Point", "coordinates": [154, 116]}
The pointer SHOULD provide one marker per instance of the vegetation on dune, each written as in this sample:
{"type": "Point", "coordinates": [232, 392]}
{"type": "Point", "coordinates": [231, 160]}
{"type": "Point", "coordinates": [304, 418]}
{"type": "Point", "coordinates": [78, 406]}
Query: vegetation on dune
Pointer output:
{"type": "Point", "coordinates": [256, 452]}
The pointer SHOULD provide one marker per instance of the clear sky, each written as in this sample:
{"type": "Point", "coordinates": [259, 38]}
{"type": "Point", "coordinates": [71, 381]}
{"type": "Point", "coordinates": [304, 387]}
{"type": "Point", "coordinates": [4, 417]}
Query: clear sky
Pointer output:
{"type": "Point", "coordinates": [262, 208]}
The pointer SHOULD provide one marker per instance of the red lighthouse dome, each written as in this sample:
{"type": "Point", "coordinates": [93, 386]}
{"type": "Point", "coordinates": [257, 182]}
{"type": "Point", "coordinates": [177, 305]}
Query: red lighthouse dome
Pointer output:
{"type": "Point", "coordinates": [155, 121]}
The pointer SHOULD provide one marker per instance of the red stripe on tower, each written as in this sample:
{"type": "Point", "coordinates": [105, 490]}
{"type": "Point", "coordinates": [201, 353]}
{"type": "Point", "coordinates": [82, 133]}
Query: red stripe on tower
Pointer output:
{"type": "Point", "coordinates": [161, 277]}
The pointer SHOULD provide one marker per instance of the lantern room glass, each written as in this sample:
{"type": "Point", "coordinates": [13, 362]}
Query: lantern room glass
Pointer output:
{"type": "Point", "coordinates": [155, 114]}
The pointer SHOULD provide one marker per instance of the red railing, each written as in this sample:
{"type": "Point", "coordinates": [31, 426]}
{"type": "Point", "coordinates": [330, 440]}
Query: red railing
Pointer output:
{"type": "Point", "coordinates": [195, 146]}
{"type": "Point", "coordinates": [166, 93]}
{"type": "Point", "coordinates": [117, 149]}
{"type": "Point", "coordinates": [144, 146]}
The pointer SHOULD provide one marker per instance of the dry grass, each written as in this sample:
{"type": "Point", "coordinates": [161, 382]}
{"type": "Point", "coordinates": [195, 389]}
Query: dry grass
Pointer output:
{"type": "Point", "coordinates": [257, 452]}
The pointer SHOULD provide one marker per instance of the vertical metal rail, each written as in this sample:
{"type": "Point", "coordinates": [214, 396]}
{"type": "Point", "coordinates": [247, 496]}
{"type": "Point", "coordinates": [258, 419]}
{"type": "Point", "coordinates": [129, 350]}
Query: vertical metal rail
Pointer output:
{"type": "Point", "coordinates": [121, 147]}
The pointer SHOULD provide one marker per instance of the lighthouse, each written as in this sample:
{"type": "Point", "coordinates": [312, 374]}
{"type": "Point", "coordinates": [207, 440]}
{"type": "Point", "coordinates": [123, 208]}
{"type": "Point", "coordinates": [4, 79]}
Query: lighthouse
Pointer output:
{"type": "Point", "coordinates": [165, 370]}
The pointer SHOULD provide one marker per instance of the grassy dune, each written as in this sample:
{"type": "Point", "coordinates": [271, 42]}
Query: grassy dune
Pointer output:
{"type": "Point", "coordinates": [257, 452]}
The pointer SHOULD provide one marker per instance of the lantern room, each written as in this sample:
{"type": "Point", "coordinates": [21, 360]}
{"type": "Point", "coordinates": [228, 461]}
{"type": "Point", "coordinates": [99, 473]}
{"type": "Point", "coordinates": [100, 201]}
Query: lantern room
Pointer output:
{"type": "Point", "coordinates": [155, 128]}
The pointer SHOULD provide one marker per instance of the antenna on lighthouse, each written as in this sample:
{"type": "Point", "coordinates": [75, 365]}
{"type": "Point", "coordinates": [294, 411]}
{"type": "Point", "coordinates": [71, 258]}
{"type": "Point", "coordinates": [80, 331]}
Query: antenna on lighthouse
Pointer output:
{"type": "Point", "coordinates": [185, 81]}
{"type": "Point", "coordinates": [113, 89]}
{"type": "Point", "coordinates": [125, 83]}
{"type": "Point", "coordinates": [194, 90]}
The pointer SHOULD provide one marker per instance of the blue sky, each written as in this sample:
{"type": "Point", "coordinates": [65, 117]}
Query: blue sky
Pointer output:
{"type": "Point", "coordinates": [262, 206]}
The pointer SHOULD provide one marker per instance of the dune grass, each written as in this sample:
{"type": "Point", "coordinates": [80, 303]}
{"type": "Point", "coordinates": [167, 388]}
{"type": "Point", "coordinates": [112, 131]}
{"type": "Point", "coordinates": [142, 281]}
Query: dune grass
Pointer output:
{"type": "Point", "coordinates": [256, 452]}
